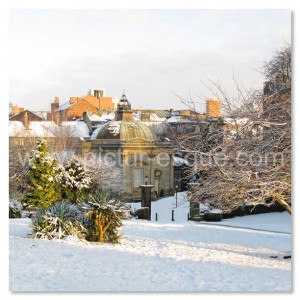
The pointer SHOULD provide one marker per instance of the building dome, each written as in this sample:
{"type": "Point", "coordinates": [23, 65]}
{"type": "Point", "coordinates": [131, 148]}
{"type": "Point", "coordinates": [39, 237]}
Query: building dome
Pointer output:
{"type": "Point", "coordinates": [126, 130]}
{"type": "Point", "coordinates": [124, 127]}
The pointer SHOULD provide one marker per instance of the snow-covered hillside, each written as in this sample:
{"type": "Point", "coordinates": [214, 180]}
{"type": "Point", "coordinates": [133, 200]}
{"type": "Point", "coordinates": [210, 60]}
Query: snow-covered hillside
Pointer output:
{"type": "Point", "coordinates": [159, 256]}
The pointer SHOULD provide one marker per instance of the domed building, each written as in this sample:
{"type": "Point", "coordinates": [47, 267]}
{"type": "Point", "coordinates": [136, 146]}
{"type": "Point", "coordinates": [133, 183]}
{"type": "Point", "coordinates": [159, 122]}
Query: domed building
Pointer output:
{"type": "Point", "coordinates": [137, 150]}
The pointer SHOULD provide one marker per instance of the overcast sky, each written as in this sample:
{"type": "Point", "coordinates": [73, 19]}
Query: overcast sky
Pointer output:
{"type": "Point", "coordinates": [152, 54]}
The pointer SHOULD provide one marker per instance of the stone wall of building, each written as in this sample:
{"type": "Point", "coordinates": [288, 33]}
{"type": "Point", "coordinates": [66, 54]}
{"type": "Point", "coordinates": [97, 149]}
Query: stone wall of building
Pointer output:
{"type": "Point", "coordinates": [158, 169]}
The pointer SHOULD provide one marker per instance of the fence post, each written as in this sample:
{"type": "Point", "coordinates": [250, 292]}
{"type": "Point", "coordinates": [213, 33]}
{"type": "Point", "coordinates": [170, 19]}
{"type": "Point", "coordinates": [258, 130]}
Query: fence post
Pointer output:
{"type": "Point", "coordinates": [156, 217]}
{"type": "Point", "coordinates": [173, 215]}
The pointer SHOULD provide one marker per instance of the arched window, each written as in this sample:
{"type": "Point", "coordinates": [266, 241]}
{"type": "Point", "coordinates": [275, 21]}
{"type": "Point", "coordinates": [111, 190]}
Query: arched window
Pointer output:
{"type": "Point", "coordinates": [138, 174]}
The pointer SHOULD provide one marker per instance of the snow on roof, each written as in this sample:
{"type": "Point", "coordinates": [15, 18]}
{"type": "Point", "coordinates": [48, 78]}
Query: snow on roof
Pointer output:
{"type": "Point", "coordinates": [35, 129]}
{"type": "Point", "coordinates": [163, 113]}
{"type": "Point", "coordinates": [76, 128]}
{"type": "Point", "coordinates": [16, 128]}
{"type": "Point", "coordinates": [42, 129]}
{"type": "Point", "coordinates": [48, 129]}
{"type": "Point", "coordinates": [137, 116]}
{"type": "Point", "coordinates": [179, 161]}
{"type": "Point", "coordinates": [96, 118]}
{"type": "Point", "coordinates": [114, 127]}
{"type": "Point", "coordinates": [236, 121]}
{"type": "Point", "coordinates": [178, 119]}
{"type": "Point", "coordinates": [65, 106]}
{"type": "Point", "coordinates": [155, 117]}
{"type": "Point", "coordinates": [108, 115]}
{"type": "Point", "coordinates": [41, 114]}
{"type": "Point", "coordinates": [95, 132]}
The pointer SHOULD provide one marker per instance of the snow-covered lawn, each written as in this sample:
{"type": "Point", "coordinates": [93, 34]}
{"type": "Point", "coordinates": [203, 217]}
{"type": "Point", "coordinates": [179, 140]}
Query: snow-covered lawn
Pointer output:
{"type": "Point", "coordinates": [159, 256]}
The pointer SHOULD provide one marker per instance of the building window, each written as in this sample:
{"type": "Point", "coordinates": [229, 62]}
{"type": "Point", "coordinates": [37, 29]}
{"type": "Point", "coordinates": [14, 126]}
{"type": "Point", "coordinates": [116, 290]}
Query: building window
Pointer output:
{"type": "Point", "coordinates": [138, 176]}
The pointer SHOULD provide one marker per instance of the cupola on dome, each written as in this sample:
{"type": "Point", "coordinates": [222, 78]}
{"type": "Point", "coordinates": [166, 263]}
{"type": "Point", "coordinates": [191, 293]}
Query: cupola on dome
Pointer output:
{"type": "Point", "coordinates": [124, 127]}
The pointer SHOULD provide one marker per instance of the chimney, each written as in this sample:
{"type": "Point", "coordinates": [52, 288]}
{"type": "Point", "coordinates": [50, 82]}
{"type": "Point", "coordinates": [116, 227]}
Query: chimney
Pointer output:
{"type": "Point", "coordinates": [26, 123]}
{"type": "Point", "coordinates": [55, 104]}
{"type": "Point", "coordinates": [213, 108]}
{"type": "Point", "coordinates": [57, 118]}
{"type": "Point", "coordinates": [99, 93]}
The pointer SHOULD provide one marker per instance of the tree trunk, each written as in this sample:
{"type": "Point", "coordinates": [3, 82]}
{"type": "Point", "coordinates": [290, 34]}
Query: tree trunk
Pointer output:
{"type": "Point", "coordinates": [285, 205]}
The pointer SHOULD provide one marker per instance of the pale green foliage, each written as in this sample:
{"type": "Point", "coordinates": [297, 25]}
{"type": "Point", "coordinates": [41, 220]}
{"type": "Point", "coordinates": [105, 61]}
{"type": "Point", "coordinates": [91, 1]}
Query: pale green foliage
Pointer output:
{"type": "Point", "coordinates": [58, 221]}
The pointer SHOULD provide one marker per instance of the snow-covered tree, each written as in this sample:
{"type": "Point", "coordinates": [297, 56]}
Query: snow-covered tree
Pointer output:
{"type": "Point", "coordinates": [74, 181]}
{"type": "Point", "coordinates": [41, 186]}
{"type": "Point", "coordinates": [253, 164]}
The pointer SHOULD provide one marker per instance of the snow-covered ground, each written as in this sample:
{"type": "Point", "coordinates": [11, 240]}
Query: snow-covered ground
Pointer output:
{"type": "Point", "coordinates": [159, 256]}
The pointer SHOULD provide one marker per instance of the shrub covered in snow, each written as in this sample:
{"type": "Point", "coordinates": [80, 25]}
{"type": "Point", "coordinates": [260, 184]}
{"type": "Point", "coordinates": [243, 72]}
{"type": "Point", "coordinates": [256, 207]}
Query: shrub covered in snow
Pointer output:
{"type": "Point", "coordinates": [15, 208]}
{"type": "Point", "coordinates": [59, 220]}
{"type": "Point", "coordinates": [251, 209]}
{"type": "Point", "coordinates": [142, 213]}
{"type": "Point", "coordinates": [214, 215]}
{"type": "Point", "coordinates": [74, 182]}
{"type": "Point", "coordinates": [106, 215]}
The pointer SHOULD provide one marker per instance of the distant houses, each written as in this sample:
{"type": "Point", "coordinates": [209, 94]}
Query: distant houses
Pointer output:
{"type": "Point", "coordinates": [90, 122]}
{"type": "Point", "coordinates": [94, 101]}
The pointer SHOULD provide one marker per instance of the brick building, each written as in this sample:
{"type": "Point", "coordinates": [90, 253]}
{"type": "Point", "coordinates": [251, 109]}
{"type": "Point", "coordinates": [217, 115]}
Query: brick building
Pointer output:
{"type": "Point", "coordinates": [94, 101]}
{"type": "Point", "coordinates": [25, 116]}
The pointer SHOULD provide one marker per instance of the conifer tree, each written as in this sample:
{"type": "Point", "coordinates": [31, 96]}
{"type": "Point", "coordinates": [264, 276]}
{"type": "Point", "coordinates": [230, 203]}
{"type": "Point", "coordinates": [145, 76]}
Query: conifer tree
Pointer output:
{"type": "Point", "coordinates": [75, 182]}
{"type": "Point", "coordinates": [40, 177]}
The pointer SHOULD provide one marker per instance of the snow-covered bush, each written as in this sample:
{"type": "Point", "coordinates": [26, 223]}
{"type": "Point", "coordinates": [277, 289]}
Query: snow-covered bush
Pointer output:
{"type": "Point", "coordinates": [73, 180]}
{"type": "Point", "coordinates": [142, 213]}
{"type": "Point", "coordinates": [106, 215]}
{"type": "Point", "coordinates": [251, 209]}
{"type": "Point", "coordinates": [214, 215]}
{"type": "Point", "coordinates": [59, 220]}
{"type": "Point", "coordinates": [15, 208]}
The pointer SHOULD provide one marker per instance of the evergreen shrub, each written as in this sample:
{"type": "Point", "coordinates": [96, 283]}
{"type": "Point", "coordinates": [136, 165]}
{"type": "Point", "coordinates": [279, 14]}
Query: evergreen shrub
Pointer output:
{"type": "Point", "coordinates": [142, 213]}
{"type": "Point", "coordinates": [59, 220]}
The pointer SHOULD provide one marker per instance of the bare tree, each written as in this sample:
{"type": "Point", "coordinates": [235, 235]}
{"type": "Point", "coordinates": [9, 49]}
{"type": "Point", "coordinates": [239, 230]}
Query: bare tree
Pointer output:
{"type": "Point", "coordinates": [105, 172]}
{"type": "Point", "coordinates": [252, 164]}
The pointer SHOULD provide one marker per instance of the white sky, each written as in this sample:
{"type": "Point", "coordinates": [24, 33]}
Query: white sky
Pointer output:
{"type": "Point", "coordinates": [152, 54]}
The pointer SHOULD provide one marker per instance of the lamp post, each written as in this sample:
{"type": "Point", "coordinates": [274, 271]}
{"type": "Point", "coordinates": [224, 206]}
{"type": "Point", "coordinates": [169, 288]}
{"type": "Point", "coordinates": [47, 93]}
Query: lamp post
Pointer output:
{"type": "Point", "coordinates": [146, 180]}
{"type": "Point", "coordinates": [176, 190]}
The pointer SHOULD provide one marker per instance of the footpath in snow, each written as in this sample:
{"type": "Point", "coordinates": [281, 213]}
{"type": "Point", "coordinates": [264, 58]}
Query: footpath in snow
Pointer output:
{"type": "Point", "coordinates": [159, 256]}
{"type": "Point", "coordinates": [278, 222]}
